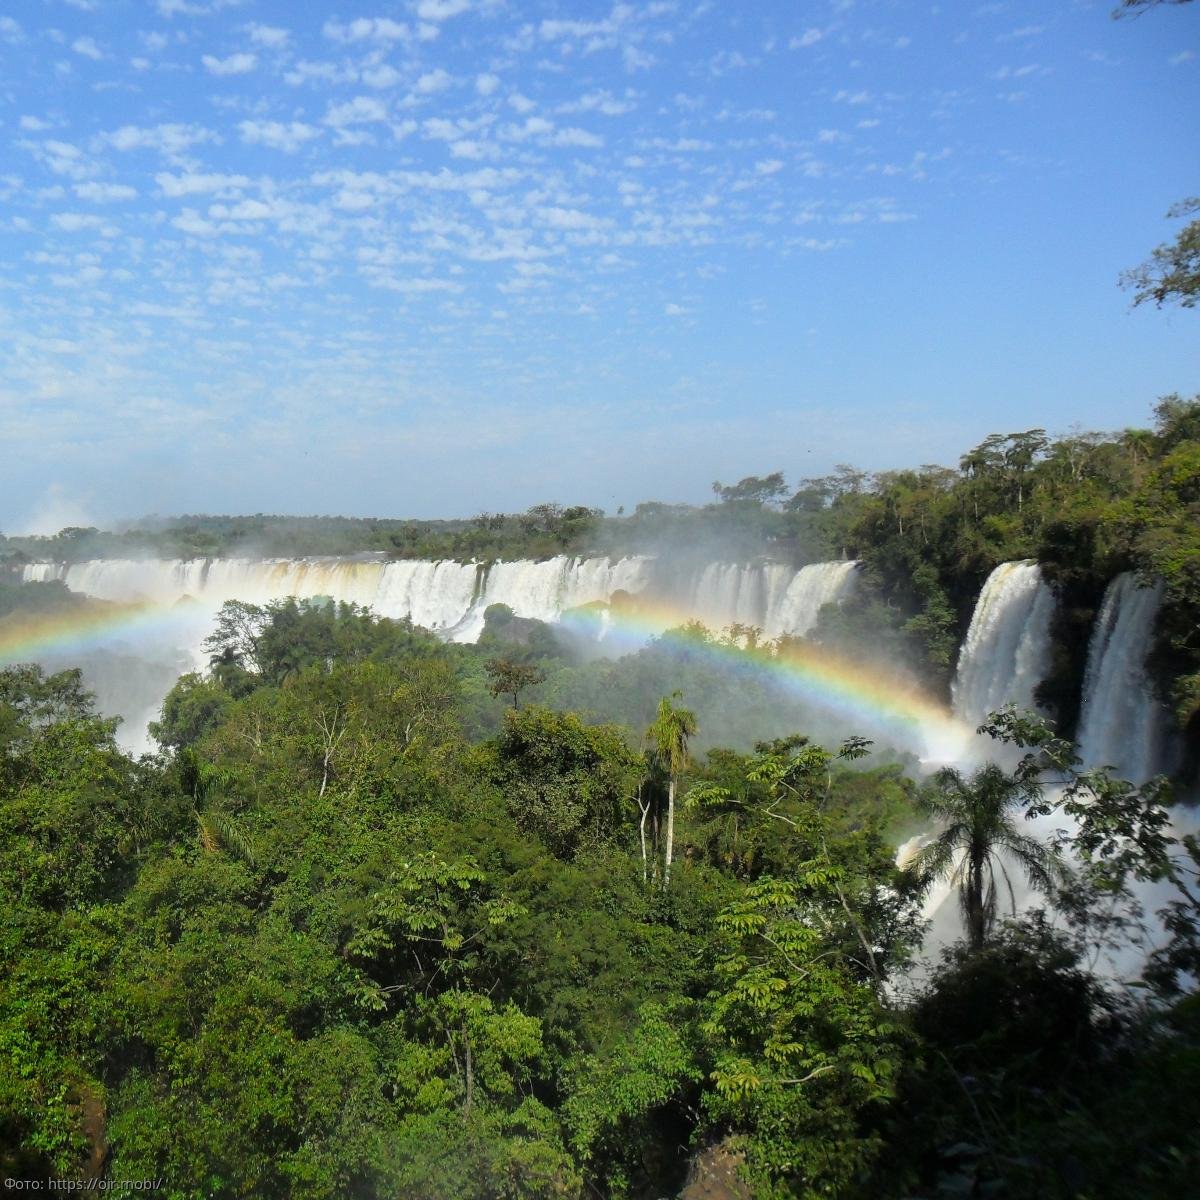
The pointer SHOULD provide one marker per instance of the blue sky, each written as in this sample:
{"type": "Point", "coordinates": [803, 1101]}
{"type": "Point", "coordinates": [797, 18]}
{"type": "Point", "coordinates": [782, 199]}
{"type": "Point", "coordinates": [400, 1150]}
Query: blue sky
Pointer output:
{"type": "Point", "coordinates": [451, 255]}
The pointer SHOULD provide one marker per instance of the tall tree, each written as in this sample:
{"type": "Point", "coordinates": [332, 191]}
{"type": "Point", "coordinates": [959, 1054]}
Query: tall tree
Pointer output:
{"type": "Point", "coordinates": [508, 678]}
{"type": "Point", "coordinates": [979, 832]}
{"type": "Point", "coordinates": [669, 733]}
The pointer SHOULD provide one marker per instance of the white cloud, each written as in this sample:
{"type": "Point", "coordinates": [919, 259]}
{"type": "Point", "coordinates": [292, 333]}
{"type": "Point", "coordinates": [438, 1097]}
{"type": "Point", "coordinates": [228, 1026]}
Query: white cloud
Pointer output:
{"type": "Point", "coordinates": [188, 8]}
{"type": "Point", "coordinates": [576, 137]}
{"type": "Point", "coordinates": [87, 47]}
{"type": "Point", "coordinates": [278, 135]}
{"type": "Point", "coordinates": [62, 158]}
{"type": "Point", "coordinates": [1177, 60]}
{"type": "Point", "coordinates": [472, 150]}
{"type": "Point", "coordinates": [810, 37]}
{"type": "Point", "coordinates": [419, 287]}
{"type": "Point", "coordinates": [769, 166]}
{"type": "Point", "coordinates": [71, 222]}
{"type": "Point", "coordinates": [441, 10]}
{"type": "Point", "coordinates": [195, 184]}
{"type": "Point", "coordinates": [34, 124]}
{"type": "Point", "coordinates": [105, 193]}
{"type": "Point", "coordinates": [251, 210]}
{"type": "Point", "coordinates": [191, 222]}
{"type": "Point", "coordinates": [1026, 31]}
{"type": "Point", "coordinates": [359, 111]}
{"type": "Point", "coordinates": [235, 64]}
{"type": "Point", "coordinates": [382, 76]}
{"type": "Point", "coordinates": [571, 219]}
{"type": "Point", "coordinates": [319, 72]}
{"type": "Point", "coordinates": [268, 36]}
{"type": "Point", "coordinates": [10, 31]}
{"type": "Point", "coordinates": [376, 29]}
{"type": "Point", "coordinates": [433, 81]}
{"type": "Point", "coordinates": [601, 102]}
{"type": "Point", "coordinates": [485, 85]}
{"type": "Point", "coordinates": [637, 60]}
{"type": "Point", "coordinates": [349, 200]}
{"type": "Point", "coordinates": [553, 31]}
{"type": "Point", "coordinates": [167, 139]}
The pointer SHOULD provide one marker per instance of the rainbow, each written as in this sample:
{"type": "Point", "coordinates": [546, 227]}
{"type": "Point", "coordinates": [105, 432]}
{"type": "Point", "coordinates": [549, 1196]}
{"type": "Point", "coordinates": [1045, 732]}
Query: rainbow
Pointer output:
{"type": "Point", "coordinates": [27, 637]}
{"type": "Point", "coordinates": [867, 700]}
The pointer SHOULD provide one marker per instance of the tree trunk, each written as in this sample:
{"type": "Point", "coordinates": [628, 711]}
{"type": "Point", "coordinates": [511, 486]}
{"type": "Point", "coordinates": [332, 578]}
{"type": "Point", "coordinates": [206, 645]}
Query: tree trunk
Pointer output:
{"type": "Point", "coordinates": [670, 832]}
{"type": "Point", "coordinates": [642, 830]}
{"type": "Point", "coordinates": [470, 1071]}
{"type": "Point", "coordinates": [976, 922]}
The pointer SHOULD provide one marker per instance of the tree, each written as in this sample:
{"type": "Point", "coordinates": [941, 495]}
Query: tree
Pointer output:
{"type": "Point", "coordinates": [978, 833]}
{"type": "Point", "coordinates": [191, 708]}
{"type": "Point", "coordinates": [237, 637]}
{"type": "Point", "coordinates": [1172, 272]}
{"type": "Point", "coordinates": [761, 490]}
{"type": "Point", "coordinates": [669, 732]}
{"type": "Point", "coordinates": [567, 782]}
{"type": "Point", "coordinates": [510, 678]}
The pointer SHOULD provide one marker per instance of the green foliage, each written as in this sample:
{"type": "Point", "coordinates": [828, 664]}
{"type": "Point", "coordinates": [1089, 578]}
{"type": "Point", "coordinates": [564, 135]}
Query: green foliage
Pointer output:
{"type": "Point", "coordinates": [1034, 1082]}
{"type": "Point", "coordinates": [801, 1045]}
{"type": "Point", "coordinates": [193, 707]}
{"type": "Point", "coordinates": [335, 942]}
{"type": "Point", "coordinates": [1172, 272]}
{"type": "Point", "coordinates": [569, 784]}
{"type": "Point", "coordinates": [621, 1104]}
{"type": "Point", "coordinates": [508, 678]}
{"type": "Point", "coordinates": [979, 839]}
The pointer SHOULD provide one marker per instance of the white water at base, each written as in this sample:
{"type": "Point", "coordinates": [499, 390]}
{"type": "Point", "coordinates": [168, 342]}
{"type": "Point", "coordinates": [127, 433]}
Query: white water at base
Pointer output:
{"type": "Point", "coordinates": [1007, 650]}
{"type": "Point", "coordinates": [1121, 722]}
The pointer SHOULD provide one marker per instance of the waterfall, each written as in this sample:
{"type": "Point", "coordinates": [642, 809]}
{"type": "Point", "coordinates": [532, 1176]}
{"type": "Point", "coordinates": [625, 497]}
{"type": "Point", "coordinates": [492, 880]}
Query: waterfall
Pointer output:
{"type": "Point", "coordinates": [451, 597]}
{"type": "Point", "coordinates": [796, 609]}
{"type": "Point", "coordinates": [769, 596]}
{"type": "Point", "coordinates": [1006, 653]}
{"type": "Point", "coordinates": [1121, 722]}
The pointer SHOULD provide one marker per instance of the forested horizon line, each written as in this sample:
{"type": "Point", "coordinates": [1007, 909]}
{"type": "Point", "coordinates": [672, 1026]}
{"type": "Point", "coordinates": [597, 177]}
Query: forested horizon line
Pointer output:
{"type": "Point", "coordinates": [758, 516]}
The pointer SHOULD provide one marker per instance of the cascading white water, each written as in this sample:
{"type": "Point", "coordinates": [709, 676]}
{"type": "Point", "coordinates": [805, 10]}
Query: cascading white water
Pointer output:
{"type": "Point", "coordinates": [796, 608]}
{"type": "Point", "coordinates": [1121, 722]}
{"type": "Point", "coordinates": [451, 597]}
{"type": "Point", "coordinates": [545, 590]}
{"type": "Point", "coordinates": [1007, 650]}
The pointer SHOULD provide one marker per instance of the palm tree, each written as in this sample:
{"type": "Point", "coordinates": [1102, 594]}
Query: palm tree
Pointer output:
{"type": "Point", "coordinates": [669, 732]}
{"type": "Point", "coordinates": [979, 831]}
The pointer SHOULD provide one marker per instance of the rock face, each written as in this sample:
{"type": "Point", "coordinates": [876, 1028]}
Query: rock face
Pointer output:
{"type": "Point", "coordinates": [714, 1175]}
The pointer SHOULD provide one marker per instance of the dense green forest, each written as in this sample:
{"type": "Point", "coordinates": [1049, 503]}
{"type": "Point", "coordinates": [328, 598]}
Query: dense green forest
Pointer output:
{"type": "Point", "coordinates": [376, 924]}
